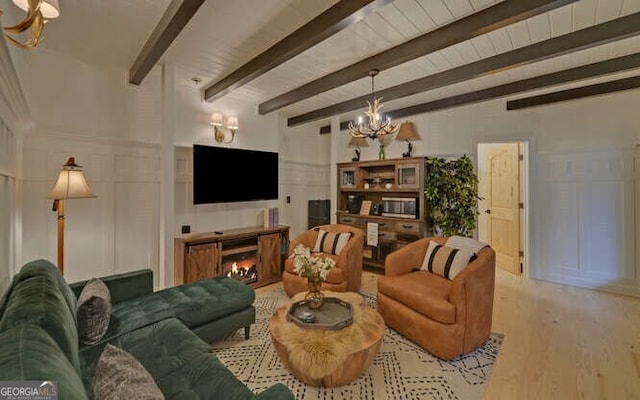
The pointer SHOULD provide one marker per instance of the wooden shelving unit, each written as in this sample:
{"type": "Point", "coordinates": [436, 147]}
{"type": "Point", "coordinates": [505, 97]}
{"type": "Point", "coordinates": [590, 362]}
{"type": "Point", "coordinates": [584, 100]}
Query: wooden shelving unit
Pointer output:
{"type": "Point", "coordinates": [373, 180]}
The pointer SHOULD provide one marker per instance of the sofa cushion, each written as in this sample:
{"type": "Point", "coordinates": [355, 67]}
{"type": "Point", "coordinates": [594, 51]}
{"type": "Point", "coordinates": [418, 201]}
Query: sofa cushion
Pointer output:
{"type": "Point", "coordinates": [36, 300]}
{"type": "Point", "coordinates": [445, 261]}
{"type": "Point", "coordinates": [120, 376]}
{"type": "Point", "coordinates": [423, 292]}
{"type": "Point", "coordinates": [204, 377]}
{"type": "Point", "coordinates": [331, 242]}
{"type": "Point", "coordinates": [161, 348]}
{"type": "Point", "coordinates": [27, 352]}
{"type": "Point", "coordinates": [202, 301]}
{"type": "Point", "coordinates": [93, 312]}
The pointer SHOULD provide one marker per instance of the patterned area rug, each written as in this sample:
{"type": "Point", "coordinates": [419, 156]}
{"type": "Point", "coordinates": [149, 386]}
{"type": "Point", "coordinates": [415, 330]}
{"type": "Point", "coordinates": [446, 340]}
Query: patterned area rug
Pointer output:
{"type": "Point", "coordinates": [401, 369]}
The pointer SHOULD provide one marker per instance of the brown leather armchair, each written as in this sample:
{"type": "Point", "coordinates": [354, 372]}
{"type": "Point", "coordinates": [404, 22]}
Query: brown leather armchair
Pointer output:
{"type": "Point", "coordinates": [445, 317]}
{"type": "Point", "coordinates": [346, 276]}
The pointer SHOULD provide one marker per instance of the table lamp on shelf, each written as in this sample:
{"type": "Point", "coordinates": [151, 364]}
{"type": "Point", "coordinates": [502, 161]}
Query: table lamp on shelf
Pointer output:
{"type": "Point", "coordinates": [357, 142]}
{"type": "Point", "coordinates": [70, 185]}
{"type": "Point", "coordinates": [407, 133]}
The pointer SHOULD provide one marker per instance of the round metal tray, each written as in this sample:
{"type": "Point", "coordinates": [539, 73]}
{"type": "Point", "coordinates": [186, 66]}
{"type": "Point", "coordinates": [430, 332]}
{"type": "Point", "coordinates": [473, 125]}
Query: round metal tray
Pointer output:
{"type": "Point", "coordinates": [335, 314]}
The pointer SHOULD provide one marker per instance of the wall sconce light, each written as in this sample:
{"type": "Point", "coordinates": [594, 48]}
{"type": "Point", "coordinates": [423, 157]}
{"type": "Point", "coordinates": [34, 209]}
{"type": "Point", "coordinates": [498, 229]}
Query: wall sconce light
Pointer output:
{"type": "Point", "coordinates": [38, 12]}
{"type": "Point", "coordinates": [407, 133]}
{"type": "Point", "coordinates": [218, 127]}
{"type": "Point", "coordinates": [70, 185]}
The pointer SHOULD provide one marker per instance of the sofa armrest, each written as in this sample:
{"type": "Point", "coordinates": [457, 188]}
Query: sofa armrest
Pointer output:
{"type": "Point", "coordinates": [124, 286]}
{"type": "Point", "coordinates": [276, 392]}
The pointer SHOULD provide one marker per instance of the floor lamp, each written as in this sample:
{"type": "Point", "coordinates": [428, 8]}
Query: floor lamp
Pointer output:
{"type": "Point", "coordinates": [70, 185]}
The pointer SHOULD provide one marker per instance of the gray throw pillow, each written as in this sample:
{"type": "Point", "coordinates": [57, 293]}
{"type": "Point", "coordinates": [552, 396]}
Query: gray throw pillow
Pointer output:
{"type": "Point", "coordinates": [93, 311]}
{"type": "Point", "coordinates": [120, 376]}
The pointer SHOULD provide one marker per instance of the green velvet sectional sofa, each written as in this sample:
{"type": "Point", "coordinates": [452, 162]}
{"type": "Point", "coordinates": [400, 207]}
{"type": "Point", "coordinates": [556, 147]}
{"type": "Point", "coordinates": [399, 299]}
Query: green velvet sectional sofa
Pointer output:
{"type": "Point", "coordinates": [167, 331]}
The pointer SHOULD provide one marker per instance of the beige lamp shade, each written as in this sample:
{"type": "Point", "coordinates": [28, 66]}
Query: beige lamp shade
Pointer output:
{"type": "Point", "coordinates": [358, 142]}
{"type": "Point", "coordinates": [407, 132]}
{"type": "Point", "coordinates": [71, 183]}
{"type": "Point", "coordinates": [48, 8]}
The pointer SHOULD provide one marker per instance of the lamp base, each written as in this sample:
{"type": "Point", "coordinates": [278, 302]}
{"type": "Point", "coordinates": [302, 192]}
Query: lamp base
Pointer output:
{"type": "Point", "coordinates": [409, 150]}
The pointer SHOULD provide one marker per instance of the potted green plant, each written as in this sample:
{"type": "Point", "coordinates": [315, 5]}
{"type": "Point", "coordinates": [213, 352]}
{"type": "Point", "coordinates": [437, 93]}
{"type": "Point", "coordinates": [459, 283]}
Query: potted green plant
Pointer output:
{"type": "Point", "coordinates": [451, 194]}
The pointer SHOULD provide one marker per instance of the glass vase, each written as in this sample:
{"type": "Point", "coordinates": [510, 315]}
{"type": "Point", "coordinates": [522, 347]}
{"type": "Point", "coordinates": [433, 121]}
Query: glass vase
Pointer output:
{"type": "Point", "coordinates": [381, 152]}
{"type": "Point", "coordinates": [314, 296]}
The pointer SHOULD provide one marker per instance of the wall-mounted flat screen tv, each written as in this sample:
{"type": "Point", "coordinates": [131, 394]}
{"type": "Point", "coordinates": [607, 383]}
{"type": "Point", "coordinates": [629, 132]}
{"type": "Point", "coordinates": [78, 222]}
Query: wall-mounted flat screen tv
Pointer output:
{"type": "Point", "coordinates": [226, 175]}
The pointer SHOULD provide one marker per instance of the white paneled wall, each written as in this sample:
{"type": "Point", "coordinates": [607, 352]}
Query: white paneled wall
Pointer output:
{"type": "Point", "coordinates": [8, 150]}
{"type": "Point", "coordinates": [584, 203]}
{"type": "Point", "coordinates": [302, 182]}
{"type": "Point", "coordinates": [115, 232]}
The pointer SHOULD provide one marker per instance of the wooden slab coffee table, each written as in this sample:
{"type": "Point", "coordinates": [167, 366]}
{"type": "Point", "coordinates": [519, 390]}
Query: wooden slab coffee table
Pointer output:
{"type": "Point", "coordinates": [358, 359]}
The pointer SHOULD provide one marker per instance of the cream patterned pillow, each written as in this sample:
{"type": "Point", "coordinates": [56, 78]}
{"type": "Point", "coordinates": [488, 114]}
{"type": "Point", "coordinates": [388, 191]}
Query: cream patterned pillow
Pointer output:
{"type": "Point", "coordinates": [120, 376]}
{"type": "Point", "coordinates": [93, 311]}
{"type": "Point", "coordinates": [331, 242]}
{"type": "Point", "coordinates": [445, 261]}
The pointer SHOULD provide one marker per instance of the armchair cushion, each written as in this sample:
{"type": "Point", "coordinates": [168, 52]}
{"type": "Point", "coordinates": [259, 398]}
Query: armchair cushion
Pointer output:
{"type": "Point", "coordinates": [331, 242]}
{"type": "Point", "coordinates": [425, 293]}
{"type": "Point", "coordinates": [444, 260]}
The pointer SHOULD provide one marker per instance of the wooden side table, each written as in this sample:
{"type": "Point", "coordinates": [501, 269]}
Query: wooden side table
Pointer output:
{"type": "Point", "coordinates": [358, 359]}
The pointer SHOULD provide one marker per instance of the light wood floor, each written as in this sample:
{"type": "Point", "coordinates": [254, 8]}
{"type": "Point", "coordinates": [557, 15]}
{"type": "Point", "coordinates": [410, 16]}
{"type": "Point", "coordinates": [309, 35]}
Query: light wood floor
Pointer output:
{"type": "Point", "coordinates": [560, 342]}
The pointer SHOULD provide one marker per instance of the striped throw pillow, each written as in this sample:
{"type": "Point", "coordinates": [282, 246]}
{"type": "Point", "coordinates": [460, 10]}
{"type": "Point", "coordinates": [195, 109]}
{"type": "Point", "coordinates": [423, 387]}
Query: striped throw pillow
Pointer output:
{"type": "Point", "coordinates": [445, 261]}
{"type": "Point", "coordinates": [331, 242]}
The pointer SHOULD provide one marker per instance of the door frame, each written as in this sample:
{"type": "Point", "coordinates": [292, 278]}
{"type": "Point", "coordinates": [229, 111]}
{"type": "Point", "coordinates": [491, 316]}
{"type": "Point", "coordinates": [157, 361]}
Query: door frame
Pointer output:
{"type": "Point", "coordinates": [525, 195]}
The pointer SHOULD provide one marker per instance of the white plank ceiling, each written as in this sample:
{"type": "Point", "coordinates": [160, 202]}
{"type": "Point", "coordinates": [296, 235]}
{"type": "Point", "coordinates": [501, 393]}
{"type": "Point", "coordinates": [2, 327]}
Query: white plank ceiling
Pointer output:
{"type": "Point", "coordinates": [225, 34]}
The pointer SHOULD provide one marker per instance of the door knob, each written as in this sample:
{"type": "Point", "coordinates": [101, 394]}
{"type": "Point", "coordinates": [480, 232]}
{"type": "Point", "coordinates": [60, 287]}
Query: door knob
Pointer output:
{"type": "Point", "coordinates": [487, 211]}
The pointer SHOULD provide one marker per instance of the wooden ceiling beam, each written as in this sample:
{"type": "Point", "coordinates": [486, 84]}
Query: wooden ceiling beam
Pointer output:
{"type": "Point", "coordinates": [588, 71]}
{"type": "Point", "coordinates": [484, 21]}
{"type": "Point", "coordinates": [333, 20]}
{"type": "Point", "coordinates": [171, 24]}
{"type": "Point", "coordinates": [576, 93]}
{"type": "Point", "coordinates": [606, 32]}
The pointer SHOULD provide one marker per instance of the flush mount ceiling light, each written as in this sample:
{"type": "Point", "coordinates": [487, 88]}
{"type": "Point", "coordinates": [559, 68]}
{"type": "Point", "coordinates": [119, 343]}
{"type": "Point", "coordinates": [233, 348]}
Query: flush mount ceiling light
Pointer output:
{"type": "Point", "coordinates": [218, 127]}
{"type": "Point", "coordinates": [38, 13]}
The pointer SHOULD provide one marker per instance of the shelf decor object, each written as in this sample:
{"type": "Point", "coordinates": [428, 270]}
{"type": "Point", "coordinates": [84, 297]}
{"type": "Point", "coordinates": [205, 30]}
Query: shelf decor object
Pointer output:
{"type": "Point", "coordinates": [376, 127]}
{"type": "Point", "coordinates": [357, 142]}
{"type": "Point", "coordinates": [38, 13]}
{"type": "Point", "coordinates": [70, 185]}
{"type": "Point", "coordinates": [315, 268]}
{"type": "Point", "coordinates": [407, 133]}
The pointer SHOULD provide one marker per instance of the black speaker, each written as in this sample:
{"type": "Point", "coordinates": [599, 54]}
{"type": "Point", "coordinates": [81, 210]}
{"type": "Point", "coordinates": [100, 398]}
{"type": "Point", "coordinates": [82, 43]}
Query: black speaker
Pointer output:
{"type": "Point", "coordinates": [319, 212]}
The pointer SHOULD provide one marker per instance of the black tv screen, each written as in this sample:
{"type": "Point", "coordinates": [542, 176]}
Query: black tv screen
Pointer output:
{"type": "Point", "coordinates": [225, 175]}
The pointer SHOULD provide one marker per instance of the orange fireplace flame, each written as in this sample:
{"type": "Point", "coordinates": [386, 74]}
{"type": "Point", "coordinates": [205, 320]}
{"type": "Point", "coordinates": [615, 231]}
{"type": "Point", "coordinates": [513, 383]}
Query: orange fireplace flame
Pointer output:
{"type": "Point", "coordinates": [237, 271]}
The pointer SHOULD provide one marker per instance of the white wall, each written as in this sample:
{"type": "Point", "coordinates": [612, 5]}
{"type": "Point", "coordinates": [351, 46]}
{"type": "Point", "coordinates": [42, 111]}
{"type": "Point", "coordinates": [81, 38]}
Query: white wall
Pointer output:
{"type": "Point", "coordinates": [305, 172]}
{"type": "Point", "coordinates": [8, 148]}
